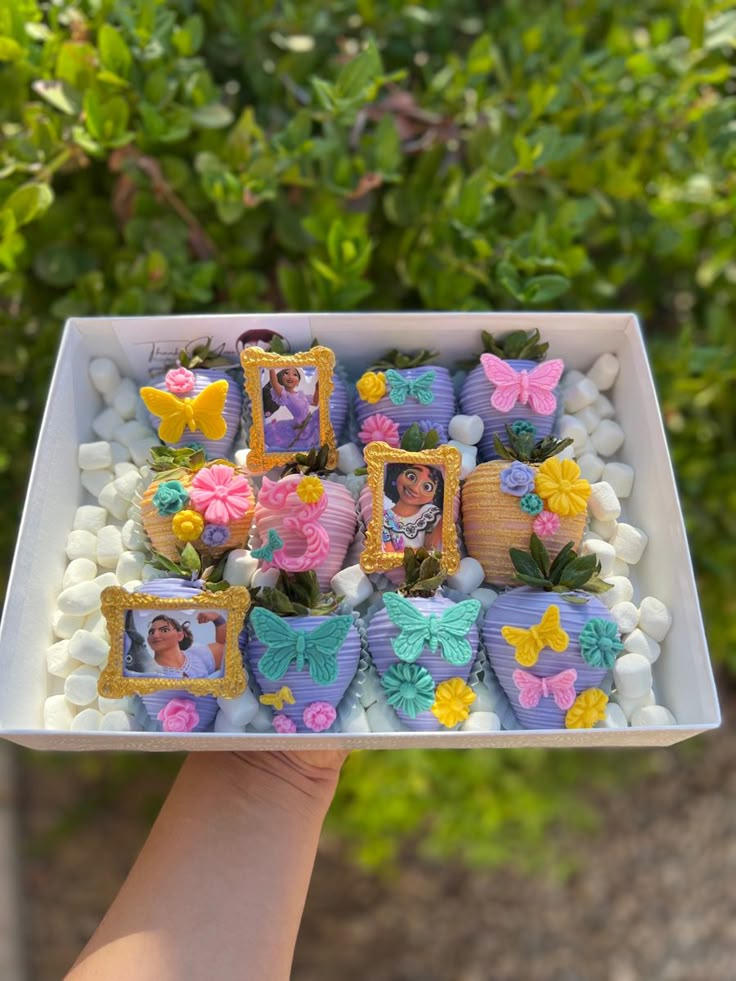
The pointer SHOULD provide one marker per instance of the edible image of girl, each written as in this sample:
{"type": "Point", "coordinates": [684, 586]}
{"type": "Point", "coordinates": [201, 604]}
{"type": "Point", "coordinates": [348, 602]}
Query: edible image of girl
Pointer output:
{"type": "Point", "coordinates": [283, 392]}
{"type": "Point", "coordinates": [174, 652]}
{"type": "Point", "coordinates": [412, 507]}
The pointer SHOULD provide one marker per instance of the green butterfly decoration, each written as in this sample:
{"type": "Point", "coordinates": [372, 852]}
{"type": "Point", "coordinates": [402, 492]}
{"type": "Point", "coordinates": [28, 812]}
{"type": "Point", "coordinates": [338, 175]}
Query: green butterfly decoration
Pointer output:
{"type": "Point", "coordinates": [316, 649]}
{"type": "Point", "coordinates": [401, 388]}
{"type": "Point", "coordinates": [273, 544]}
{"type": "Point", "coordinates": [447, 631]}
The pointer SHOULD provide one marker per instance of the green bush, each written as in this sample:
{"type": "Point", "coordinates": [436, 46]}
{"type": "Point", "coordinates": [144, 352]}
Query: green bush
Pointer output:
{"type": "Point", "coordinates": [234, 155]}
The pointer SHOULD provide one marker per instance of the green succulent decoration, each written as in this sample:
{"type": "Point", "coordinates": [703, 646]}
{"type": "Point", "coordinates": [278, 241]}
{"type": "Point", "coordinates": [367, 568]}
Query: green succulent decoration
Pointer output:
{"type": "Point", "coordinates": [169, 459]}
{"type": "Point", "coordinates": [296, 594]}
{"type": "Point", "coordinates": [568, 571]}
{"type": "Point", "coordinates": [522, 444]}
{"type": "Point", "coordinates": [415, 439]}
{"type": "Point", "coordinates": [399, 360]}
{"type": "Point", "coordinates": [519, 345]}
{"type": "Point", "coordinates": [423, 572]}
{"type": "Point", "coordinates": [312, 462]}
{"type": "Point", "coordinates": [204, 355]}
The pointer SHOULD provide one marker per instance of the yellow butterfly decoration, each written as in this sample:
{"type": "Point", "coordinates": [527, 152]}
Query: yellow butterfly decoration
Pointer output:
{"type": "Point", "coordinates": [204, 412]}
{"type": "Point", "coordinates": [279, 698]}
{"type": "Point", "coordinates": [529, 643]}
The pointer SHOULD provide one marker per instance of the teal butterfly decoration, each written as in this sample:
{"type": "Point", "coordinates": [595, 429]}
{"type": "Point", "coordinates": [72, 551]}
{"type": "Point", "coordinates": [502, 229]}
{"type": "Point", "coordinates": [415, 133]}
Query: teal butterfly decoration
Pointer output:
{"type": "Point", "coordinates": [266, 551]}
{"type": "Point", "coordinates": [316, 649]}
{"type": "Point", "coordinates": [447, 631]}
{"type": "Point", "coordinates": [400, 388]}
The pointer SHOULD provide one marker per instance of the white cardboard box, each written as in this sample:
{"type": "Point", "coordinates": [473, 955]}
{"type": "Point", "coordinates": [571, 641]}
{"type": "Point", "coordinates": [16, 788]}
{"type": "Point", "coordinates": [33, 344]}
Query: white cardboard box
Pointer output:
{"type": "Point", "coordinates": [683, 676]}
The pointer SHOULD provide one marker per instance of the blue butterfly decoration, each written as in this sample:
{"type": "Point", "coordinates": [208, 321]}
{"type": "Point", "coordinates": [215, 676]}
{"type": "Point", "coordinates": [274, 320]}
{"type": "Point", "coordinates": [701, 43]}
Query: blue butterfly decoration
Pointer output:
{"type": "Point", "coordinates": [315, 649]}
{"type": "Point", "coordinates": [447, 631]}
{"type": "Point", "coordinates": [266, 551]}
{"type": "Point", "coordinates": [400, 388]}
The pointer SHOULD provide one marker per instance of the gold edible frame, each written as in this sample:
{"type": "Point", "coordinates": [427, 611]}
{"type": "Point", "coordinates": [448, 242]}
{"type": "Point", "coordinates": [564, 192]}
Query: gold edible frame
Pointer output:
{"type": "Point", "coordinates": [113, 683]}
{"type": "Point", "coordinates": [377, 455]}
{"type": "Point", "coordinates": [253, 359]}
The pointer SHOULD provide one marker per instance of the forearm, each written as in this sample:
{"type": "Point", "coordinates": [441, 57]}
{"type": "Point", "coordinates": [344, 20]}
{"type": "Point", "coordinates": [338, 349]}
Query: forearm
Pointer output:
{"type": "Point", "coordinates": [219, 887]}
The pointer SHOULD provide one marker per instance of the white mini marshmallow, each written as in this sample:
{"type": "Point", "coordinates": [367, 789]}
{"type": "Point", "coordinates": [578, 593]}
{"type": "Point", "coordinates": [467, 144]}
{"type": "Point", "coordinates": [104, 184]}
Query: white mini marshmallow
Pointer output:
{"type": "Point", "coordinates": [94, 456]}
{"type": "Point", "coordinates": [654, 618]}
{"type": "Point", "coordinates": [115, 704]}
{"type": "Point", "coordinates": [140, 449]}
{"type": "Point", "coordinates": [566, 453]}
{"type": "Point", "coordinates": [130, 567]}
{"type": "Point", "coordinates": [621, 477]}
{"type": "Point", "coordinates": [357, 722]}
{"type": "Point", "coordinates": [629, 705]}
{"type": "Point", "coordinates": [466, 429]}
{"type": "Point", "coordinates": [629, 543]}
{"type": "Point", "coordinates": [262, 721]}
{"type": "Point", "coordinates": [109, 546]}
{"type": "Point", "coordinates": [468, 458]}
{"type": "Point", "coordinates": [80, 600]}
{"type": "Point", "coordinates": [241, 457]}
{"type": "Point", "coordinates": [632, 675]}
{"type": "Point", "coordinates": [106, 579]}
{"type": "Point", "coordinates": [89, 648]}
{"type": "Point", "coordinates": [89, 517]}
{"type": "Point", "coordinates": [349, 458]}
{"type": "Point", "coordinates": [115, 504]}
{"type": "Point", "coordinates": [104, 375]}
{"type": "Point", "coordinates": [605, 529]}
{"type": "Point", "coordinates": [604, 372]}
{"type": "Point", "coordinates": [80, 687]}
{"type": "Point", "coordinates": [131, 431]}
{"type": "Point", "coordinates": [352, 584]}
{"type": "Point", "coordinates": [223, 724]}
{"type": "Point", "coordinates": [571, 428]}
{"type": "Point", "coordinates": [120, 469]}
{"type": "Point", "coordinates": [64, 624]}
{"type": "Point", "coordinates": [607, 437]}
{"type": "Point", "coordinates": [486, 597]}
{"type": "Point", "coordinates": [482, 722]}
{"type": "Point", "coordinates": [382, 718]}
{"type": "Point", "coordinates": [241, 710]}
{"type": "Point", "coordinates": [626, 616]}
{"type": "Point", "coordinates": [94, 481]}
{"type": "Point", "coordinates": [621, 568]}
{"type": "Point", "coordinates": [469, 576]}
{"type": "Point", "coordinates": [265, 577]}
{"type": "Point", "coordinates": [120, 455]}
{"type": "Point", "coordinates": [125, 399]}
{"type": "Point", "coordinates": [105, 424]}
{"type": "Point", "coordinates": [589, 418]}
{"type": "Point", "coordinates": [604, 552]}
{"type": "Point", "coordinates": [151, 572]}
{"type": "Point", "coordinates": [613, 719]}
{"type": "Point", "coordinates": [239, 567]}
{"type": "Point", "coordinates": [132, 535]}
{"type": "Point", "coordinates": [571, 378]}
{"type": "Point", "coordinates": [637, 642]}
{"type": "Point", "coordinates": [127, 485]}
{"type": "Point", "coordinates": [58, 660]}
{"type": "Point", "coordinates": [591, 467]}
{"type": "Point", "coordinates": [96, 624]}
{"type": "Point", "coordinates": [116, 721]}
{"type": "Point", "coordinates": [57, 713]}
{"type": "Point", "coordinates": [621, 592]}
{"type": "Point", "coordinates": [79, 570]}
{"type": "Point", "coordinates": [653, 715]}
{"type": "Point", "coordinates": [88, 720]}
{"type": "Point", "coordinates": [603, 503]}
{"type": "Point", "coordinates": [579, 394]}
{"type": "Point", "coordinates": [604, 407]}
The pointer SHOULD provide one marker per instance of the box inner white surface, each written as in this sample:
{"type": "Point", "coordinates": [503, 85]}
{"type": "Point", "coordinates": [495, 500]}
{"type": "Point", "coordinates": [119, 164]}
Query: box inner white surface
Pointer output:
{"type": "Point", "coordinates": [683, 675]}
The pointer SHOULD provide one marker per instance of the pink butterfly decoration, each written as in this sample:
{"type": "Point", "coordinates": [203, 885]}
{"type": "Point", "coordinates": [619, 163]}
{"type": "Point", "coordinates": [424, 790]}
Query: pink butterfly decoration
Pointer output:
{"type": "Point", "coordinates": [560, 686]}
{"type": "Point", "coordinates": [535, 387]}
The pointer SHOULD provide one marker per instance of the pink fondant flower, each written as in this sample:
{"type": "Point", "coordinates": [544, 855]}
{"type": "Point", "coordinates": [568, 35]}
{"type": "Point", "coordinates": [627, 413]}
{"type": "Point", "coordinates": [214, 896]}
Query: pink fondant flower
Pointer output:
{"type": "Point", "coordinates": [319, 716]}
{"type": "Point", "coordinates": [282, 723]}
{"type": "Point", "coordinates": [179, 715]}
{"type": "Point", "coordinates": [546, 524]}
{"type": "Point", "coordinates": [379, 428]}
{"type": "Point", "coordinates": [179, 381]}
{"type": "Point", "coordinates": [221, 494]}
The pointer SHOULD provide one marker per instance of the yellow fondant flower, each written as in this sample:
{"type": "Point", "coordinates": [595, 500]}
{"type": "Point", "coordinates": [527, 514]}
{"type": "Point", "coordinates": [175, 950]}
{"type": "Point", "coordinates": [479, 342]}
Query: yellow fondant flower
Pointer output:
{"type": "Point", "coordinates": [559, 483]}
{"type": "Point", "coordinates": [452, 701]}
{"type": "Point", "coordinates": [310, 489]}
{"type": "Point", "coordinates": [587, 709]}
{"type": "Point", "coordinates": [371, 386]}
{"type": "Point", "coordinates": [187, 525]}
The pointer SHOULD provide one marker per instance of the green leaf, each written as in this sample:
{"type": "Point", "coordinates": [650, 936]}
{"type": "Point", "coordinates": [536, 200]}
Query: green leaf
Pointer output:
{"type": "Point", "coordinates": [213, 116]}
{"type": "Point", "coordinates": [114, 52]}
{"type": "Point", "coordinates": [190, 559]}
{"type": "Point", "coordinates": [10, 50]}
{"type": "Point", "coordinates": [355, 77]}
{"type": "Point", "coordinates": [565, 555]}
{"type": "Point", "coordinates": [413, 439]}
{"type": "Point", "coordinates": [692, 18]}
{"type": "Point", "coordinates": [29, 202]}
{"type": "Point", "coordinates": [524, 563]}
{"type": "Point", "coordinates": [540, 289]}
{"type": "Point", "coordinates": [60, 95]}
{"type": "Point", "coordinates": [539, 554]}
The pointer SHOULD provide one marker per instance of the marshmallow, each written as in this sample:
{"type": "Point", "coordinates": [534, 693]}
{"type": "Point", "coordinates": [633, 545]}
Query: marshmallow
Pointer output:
{"type": "Point", "coordinates": [57, 713]}
{"type": "Point", "coordinates": [241, 457]}
{"type": "Point", "coordinates": [115, 504]}
{"type": "Point", "coordinates": [482, 722]}
{"type": "Point", "coordinates": [88, 720]}
{"type": "Point", "coordinates": [654, 618]}
{"type": "Point", "coordinates": [620, 476]}
{"type": "Point", "coordinates": [125, 399]}
{"type": "Point", "coordinates": [637, 642]}
{"type": "Point", "coordinates": [120, 455]}
{"type": "Point", "coordinates": [570, 428]}
{"type": "Point", "coordinates": [621, 592]}
{"type": "Point", "coordinates": [94, 456]}
{"type": "Point", "coordinates": [604, 372]}
{"type": "Point", "coordinates": [89, 648]}
{"type": "Point", "coordinates": [104, 375]}
{"type": "Point", "coordinates": [486, 597]}
{"type": "Point", "coordinates": [262, 721]}
{"type": "Point", "coordinates": [115, 704]}
{"type": "Point", "coordinates": [607, 437]}
{"type": "Point", "coordinates": [241, 710]}
{"type": "Point", "coordinates": [125, 466]}
{"type": "Point", "coordinates": [239, 567]}
{"type": "Point", "coordinates": [64, 624]}
{"type": "Point", "coordinates": [349, 458]}
{"type": "Point", "coordinates": [132, 535]}
{"type": "Point", "coordinates": [127, 485]}
{"type": "Point", "coordinates": [116, 721]}
{"type": "Point", "coordinates": [468, 457]}
{"type": "Point", "coordinates": [629, 543]}
{"type": "Point", "coordinates": [129, 567]}
{"type": "Point", "coordinates": [570, 378]}
{"type": "Point", "coordinates": [96, 624]}
{"type": "Point", "coordinates": [466, 429]}
{"type": "Point", "coordinates": [604, 407]}
{"type": "Point", "coordinates": [621, 568]}
{"type": "Point", "coordinates": [629, 705]}
{"type": "Point", "coordinates": [90, 518]}
{"type": "Point", "coordinates": [94, 481]}
{"type": "Point", "coordinates": [626, 616]}
{"type": "Point", "coordinates": [106, 579]}
{"type": "Point", "coordinates": [132, 585]}
{"type": "Point", "coordinates": [613, 719]}
{"type": "Point", "coordinates": [131, 431]}
{"type": "Point", "coordinates": [469, 576]}
{"type": "Point", "coordinates": [605, 529]}
{"type": "Point", "coordinates": [591, 467]}
{"type": "Point", "coordinates": [79, 570]}
{"type": "Point", "coordinates": [223, 724]}
{"type": "Point", "coordinates": [566, 453]}
{"type": "Point", "coordinates": [105, 424]}
{"type": "Point", "coordinates": [589, 418]}
{"type": "Point", "coordinates": [353, 585]}
{"type": "Point", "coordinates": [58, 660]}
{"type": "Point", "coordinates": [579, 394]}
{"type": "Point", "coordinates": [264, 577]}
{"type": "Point", "coordinates": [632, 675]}
{"type": "Point", "coordinates": [357, 722]}
{"type": "Point", "coordinates": [604, 552]}
{"type": "Point", "coordinates": [603, 503]}
{"type": "Point", "coordinates": [80, 600]}
{"type": "Point", "coordinates": [382, 718]}
{"type": "Point", "coordinates": [151, 572]}
{"type": "Point", "coordinates": [109, 546]}
{"type": "Point", "coordinates": [140, 448]}
{"type": "Point", "coordinates": [80, 687]}
{"type": "Point", "coordinates": [653, 715]}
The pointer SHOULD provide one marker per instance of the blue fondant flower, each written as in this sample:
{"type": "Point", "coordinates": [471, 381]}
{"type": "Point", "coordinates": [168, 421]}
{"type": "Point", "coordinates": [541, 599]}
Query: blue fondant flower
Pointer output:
{"type": "Point", "coordinates": [532, 504]}
{"type": "Point", "coordinates": [600, 643]}
{"type": "Point", "coordinates": [170, 497]}
{"type": "Point", "coordinates": [215, 535]}
{"type": "Point", "coordinates": [426, 424]}
{"type": "Point", "coordinates": [410, 688]}
{"type": "Point", "coordinates": [517, 479]}
{"type": "Point", "coordinates": [521, 427]}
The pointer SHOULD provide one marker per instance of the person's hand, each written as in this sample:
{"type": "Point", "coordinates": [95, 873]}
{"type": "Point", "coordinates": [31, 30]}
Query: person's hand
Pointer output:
{"type": "Point", "coordinates": [312, 772]}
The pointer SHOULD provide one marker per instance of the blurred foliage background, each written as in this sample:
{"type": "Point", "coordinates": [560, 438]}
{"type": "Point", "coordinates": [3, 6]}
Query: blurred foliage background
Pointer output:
{"type": "Point", "coordinates": [242, 155]}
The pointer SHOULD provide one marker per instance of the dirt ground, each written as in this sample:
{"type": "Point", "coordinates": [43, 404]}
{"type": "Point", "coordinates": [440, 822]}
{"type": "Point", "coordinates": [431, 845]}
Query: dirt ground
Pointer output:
{"type": "Point", "coordinates": [655, 900]}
